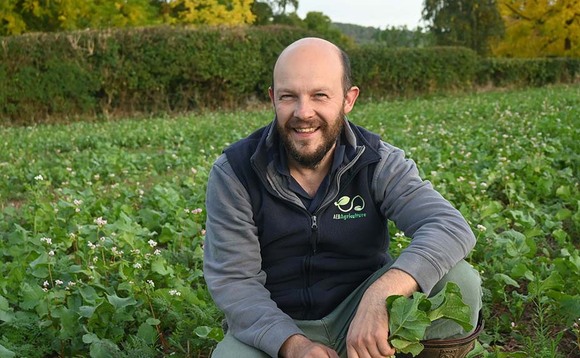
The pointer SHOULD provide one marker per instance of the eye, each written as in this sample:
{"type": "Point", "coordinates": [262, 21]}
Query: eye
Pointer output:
{"type": "Point", "coordinates": [320, 95]}
{"type": "Point", "coordinates": [285, 97]}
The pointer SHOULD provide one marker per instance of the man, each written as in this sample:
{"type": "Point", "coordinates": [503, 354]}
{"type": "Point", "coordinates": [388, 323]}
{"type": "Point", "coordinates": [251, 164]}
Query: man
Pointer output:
{"type": "Point", "coordinates": [296, 251]}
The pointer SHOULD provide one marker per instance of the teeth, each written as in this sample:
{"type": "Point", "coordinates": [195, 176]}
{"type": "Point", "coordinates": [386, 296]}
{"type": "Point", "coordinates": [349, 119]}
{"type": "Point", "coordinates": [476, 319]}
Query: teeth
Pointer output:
{"type": "Point", "coordinates": [305, 130]}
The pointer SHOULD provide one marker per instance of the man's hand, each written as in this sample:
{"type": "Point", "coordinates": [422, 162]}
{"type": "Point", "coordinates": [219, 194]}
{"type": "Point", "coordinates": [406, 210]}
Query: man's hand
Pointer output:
{"type": "Point", "coordinates": [369, 330]}
{"type": "Point", "coordinates": [298, 346]}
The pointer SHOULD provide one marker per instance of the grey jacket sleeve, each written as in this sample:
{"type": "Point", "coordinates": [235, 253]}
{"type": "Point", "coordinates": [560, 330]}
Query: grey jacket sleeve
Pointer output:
{"type": "Point", "coordinates": [440, 236]}
{"type": "Point", "coordinates": [232, 265]}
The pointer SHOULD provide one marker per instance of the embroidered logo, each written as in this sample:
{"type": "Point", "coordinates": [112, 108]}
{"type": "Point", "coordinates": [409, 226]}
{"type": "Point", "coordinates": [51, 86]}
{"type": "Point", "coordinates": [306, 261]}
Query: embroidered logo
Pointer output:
{"type": "Point", "coordinates": [351, 208]}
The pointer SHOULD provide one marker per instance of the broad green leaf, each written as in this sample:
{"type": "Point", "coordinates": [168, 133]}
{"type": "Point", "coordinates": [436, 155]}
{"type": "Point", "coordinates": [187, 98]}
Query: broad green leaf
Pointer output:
{"type": "Point", "coordinates": [40, 260]}
{"type": "Point", "coordinates": [103, 348]}
{"type": "Point", "coordinates": [153, 321]}
{"type": "Point", "coordinates": [120, 302]}
{"type": "Point", "coordinates": [5, 353]}
{"type": "Point", "coordinates": [552, 282]}
{"type": "Point", "coordinates": [160, 266]}
{"type": "Point", "coordinates": [521, 270]}
{"type": "Point", "coordinates": [147, 333]}
{"type": "Point", "coordinates": [214, 333]}
{"type": "Point", "coordinates": [500, 277]}
{"type": "Point", "coordinates": [564, 192]}
{"type": "Point", "coordinates": [87, 311]}
{"type": "Point", "coordinates": [403, 346]}
{"type": "Point", "coordinates": [31, 295]}
{"type": "Point", "coordinates": [406, 320]}
{"type": "Point", "coordinates": [89, 294]}
{"type": "Point", "coordinates": [3, 304]}
{"type": "Point", "coordinates": [452, 307]}
{"type": "Point", "coordinates": [90, 338]}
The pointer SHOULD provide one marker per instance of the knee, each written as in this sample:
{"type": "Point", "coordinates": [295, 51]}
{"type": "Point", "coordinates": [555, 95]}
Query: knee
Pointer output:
{"type": "Point", "coordinates": [469, 282]}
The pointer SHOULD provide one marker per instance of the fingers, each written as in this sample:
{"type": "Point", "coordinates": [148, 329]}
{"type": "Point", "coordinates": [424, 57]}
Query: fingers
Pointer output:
{"type": "Point", "coordinates": [371, 347]}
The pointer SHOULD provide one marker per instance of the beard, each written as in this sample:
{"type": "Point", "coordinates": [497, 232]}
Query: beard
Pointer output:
{"type": "Point", "coordinates": [298, 151]}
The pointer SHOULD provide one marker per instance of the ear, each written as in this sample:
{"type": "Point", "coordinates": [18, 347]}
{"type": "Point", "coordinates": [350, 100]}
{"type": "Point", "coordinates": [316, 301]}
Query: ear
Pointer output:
{"type": "Point", "coordinates": [350, 99]}
{"type": "Point", "coordinates": [271, 94]}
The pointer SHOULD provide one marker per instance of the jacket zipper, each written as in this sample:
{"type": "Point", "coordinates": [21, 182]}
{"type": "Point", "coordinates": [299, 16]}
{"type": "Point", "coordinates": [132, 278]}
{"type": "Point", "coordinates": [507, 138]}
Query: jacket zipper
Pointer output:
{"type": "Point", "coordinates": [314, 237]}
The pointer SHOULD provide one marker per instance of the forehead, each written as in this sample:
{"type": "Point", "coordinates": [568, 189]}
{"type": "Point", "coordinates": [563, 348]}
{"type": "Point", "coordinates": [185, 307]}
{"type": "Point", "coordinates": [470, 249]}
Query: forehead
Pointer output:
{"type": "Point", "coordinates": [309, 66]}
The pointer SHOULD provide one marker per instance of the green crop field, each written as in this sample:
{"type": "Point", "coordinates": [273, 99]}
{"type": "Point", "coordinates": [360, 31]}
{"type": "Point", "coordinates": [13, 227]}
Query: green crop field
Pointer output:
{"type": "Point", "coordinates": [102, 224]}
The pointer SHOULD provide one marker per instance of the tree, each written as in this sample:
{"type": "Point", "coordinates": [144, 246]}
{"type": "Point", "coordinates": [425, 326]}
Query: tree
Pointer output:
{"type": "Point", "coordinates": [470, 23]}
{"type": "Point", "coordinates": [322, 24]}
{"type": "Point", "coordinates": [540, 28]}
{"type": "Point", "coordinates": [403, 37]}
{"type": "Point", "coordinates": [279, 6]}
{"type": "Point", "coordinates": [212, 12]}
{"type": "Point", "coordinates": [263, 13]}
{"type": "Point", "coordinates": [19, 16]}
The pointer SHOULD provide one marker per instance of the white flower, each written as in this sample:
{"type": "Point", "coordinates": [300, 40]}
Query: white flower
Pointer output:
{"type": "Point", "coordinates": [174, 293]}
{"type": "Point", "coordinates": [157, 252]}
{"type": "Point", "coordinates": [152, 243]}
{"type": "Point", "coordinates": [100, 221]}
{"type": "Point", "coordinates": [137, 265]}
{"type": "Point", "coordinates": [197, 211]}
{"type": "Point", "coordinates": [91, 245]}
{"type": "Point", "coordinates": [77, 202]}
{"type": "Point", "coordinates": [58, 282]}
{"type": "Point", "coordinates": [39, 177]}
{"type": "Point", "coordinates": [45, 284]}
{"type": "Point", "coordinates": [47, 240]}
{"type": "Point", "coordinates": [151, 283]}
{"type": "Point", "coordinates": [51, 253]}
{"type": "Point", "coordinates": [481, 228]}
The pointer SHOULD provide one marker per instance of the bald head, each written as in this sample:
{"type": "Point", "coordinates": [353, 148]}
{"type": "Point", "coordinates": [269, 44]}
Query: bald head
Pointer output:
{"type": "Point", "coordinates": [319, 55]}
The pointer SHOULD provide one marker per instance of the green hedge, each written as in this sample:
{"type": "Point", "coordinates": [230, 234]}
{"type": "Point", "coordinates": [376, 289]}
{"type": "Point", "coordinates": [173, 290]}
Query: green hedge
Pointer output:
{"type": "Point", "coordinates": [123, 72]}
{"type": "Point", "coordinates": [46, 77]}
{"type": "Point", "coordinates": [390, 72]}
{"type": "Point", "coordinates": [502, 72]}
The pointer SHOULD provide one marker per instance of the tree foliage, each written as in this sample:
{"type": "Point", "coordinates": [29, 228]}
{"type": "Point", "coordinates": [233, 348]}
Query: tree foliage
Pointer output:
{"type": "Point", "coordinates": [540, 28]}
{"type": "Point", "coordinates": [20, 16]}
{"type": "Point", "coordinates": [403, 37]}
{"type": "Point", "coordinates": [470, 23]}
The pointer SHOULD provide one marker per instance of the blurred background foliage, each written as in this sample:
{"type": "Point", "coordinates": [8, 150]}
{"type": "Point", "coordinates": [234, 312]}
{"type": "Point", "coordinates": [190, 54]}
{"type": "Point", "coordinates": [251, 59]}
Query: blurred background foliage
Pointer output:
{"type": "Point", "coordinates": [72, 59]}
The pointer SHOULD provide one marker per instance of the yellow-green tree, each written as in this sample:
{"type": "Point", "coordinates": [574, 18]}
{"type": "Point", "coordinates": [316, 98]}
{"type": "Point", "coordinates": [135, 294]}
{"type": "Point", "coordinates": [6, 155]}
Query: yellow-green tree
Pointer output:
{"type": "Point", "coordinates": [211, 12]}
{"type": "Point", "coordinates": [20, 16]}
{"type": "Point", "coordinates": [539, 28]}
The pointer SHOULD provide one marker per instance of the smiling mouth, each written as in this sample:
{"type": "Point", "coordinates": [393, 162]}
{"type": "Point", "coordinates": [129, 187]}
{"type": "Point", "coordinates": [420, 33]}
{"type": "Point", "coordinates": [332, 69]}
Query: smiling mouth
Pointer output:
{"type": "Point", "coordinates": [305, 130]}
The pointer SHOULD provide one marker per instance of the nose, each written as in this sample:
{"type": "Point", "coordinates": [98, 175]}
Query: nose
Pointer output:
{"type": "Point", "coordinates": [304, 109]}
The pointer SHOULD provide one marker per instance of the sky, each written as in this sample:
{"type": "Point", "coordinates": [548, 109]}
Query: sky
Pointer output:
{"type": "Point", "coordinates": [375, 13]}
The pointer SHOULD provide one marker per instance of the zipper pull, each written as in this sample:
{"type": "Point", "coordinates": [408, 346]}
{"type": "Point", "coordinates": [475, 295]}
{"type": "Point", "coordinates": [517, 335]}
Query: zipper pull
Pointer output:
{"type": "Point", "coordinates": [314, 238]}
{"type": "Point", "coordinates": [314, 223]}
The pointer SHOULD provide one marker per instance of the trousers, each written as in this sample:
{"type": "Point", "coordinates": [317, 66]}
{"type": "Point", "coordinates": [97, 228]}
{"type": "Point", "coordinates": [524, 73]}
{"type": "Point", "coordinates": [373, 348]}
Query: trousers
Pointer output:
{"type": "Point", "coordinates": [332, 329]}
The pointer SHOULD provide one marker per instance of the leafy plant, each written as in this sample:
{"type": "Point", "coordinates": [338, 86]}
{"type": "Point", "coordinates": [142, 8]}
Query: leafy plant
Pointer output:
{"type": "Point", "coordinates": [409, 318]}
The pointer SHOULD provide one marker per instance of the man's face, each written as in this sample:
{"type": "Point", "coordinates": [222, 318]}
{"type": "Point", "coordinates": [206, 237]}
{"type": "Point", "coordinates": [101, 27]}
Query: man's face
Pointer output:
{"type": "Point", "coordinates": [310, 102]}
